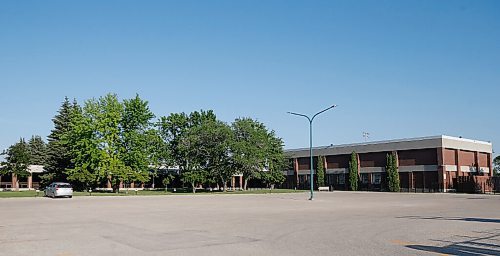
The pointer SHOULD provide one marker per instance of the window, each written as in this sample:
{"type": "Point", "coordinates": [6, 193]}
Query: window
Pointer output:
{"type": "Point", "coordinates": [341, 178]}
{"type": "Point", "coordinates": [376, 178]}
{"type": "Point", "coordinates": [364, 178]}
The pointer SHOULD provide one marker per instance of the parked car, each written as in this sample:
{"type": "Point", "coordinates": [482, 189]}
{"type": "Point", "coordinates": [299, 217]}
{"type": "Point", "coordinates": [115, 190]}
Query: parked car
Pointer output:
{"type": "Point", "coordinates": [59, 189]}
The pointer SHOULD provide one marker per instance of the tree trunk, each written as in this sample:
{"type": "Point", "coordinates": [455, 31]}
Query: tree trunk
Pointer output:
{"type": "Point", "coordinates": [224, 182]}
{"type": "Point", "coordinates": [246, 184]}
{"type": "Point", "coordinates": [194, 188]}
{"type": "Point", "coordinates": [115, 188]}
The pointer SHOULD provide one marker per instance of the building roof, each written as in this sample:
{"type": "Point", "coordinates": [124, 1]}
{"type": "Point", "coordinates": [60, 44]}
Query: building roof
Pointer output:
{"type": "Point", "coordinates": [441, 141]}
{"type": "Point", "coordinates": [36, 169]}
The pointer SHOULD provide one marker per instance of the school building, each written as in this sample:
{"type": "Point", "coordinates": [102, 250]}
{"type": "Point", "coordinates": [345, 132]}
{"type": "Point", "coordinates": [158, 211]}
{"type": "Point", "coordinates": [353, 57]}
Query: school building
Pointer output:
{"type": "Point", "coordinates": [428, 164]}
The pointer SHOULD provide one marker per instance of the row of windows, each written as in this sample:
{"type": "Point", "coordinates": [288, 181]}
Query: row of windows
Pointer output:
{"type": "Point", "coordinates": [340, 179]}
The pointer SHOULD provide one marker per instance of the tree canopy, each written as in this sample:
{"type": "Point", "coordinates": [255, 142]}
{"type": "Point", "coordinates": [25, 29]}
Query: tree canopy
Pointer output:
{"type": "Point", "coordinates": [106, 140]}
{"type": "Point", "coordinates": [17, 159]}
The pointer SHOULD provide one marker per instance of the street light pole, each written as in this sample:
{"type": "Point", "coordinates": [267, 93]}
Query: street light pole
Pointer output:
{"type": "Point", "coordinates": [311, 119]}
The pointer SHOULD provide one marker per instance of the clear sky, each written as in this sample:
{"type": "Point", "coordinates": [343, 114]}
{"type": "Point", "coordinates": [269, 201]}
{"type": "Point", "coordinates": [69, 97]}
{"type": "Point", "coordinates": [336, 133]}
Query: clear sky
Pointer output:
{"type": "Point", "coordinates": [396, 69]}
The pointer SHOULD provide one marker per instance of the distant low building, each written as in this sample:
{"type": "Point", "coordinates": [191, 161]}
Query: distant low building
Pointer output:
{"type": "Point", "coordinates": [10, 181]}
{"type": "Point", "coordinates": [428, 164]}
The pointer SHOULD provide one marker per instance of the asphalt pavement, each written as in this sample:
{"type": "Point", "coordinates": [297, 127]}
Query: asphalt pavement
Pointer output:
{"type": "Point", "coordinates": [335, 223]}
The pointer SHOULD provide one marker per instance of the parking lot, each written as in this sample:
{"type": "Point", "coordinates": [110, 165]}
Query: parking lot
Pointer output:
{"type": "Point", "coordinates": [335, 223]}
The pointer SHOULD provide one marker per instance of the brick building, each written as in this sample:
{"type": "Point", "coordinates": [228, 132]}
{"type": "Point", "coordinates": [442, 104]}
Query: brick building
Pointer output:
{"type": "Point", "coordinates": [428, 164]}
{"type": "Point", "coordinates": [32, 181]}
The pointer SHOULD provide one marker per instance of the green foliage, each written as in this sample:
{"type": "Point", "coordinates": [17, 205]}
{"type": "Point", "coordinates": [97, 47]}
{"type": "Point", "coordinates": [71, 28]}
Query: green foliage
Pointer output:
{"type": "Point", "coordinates": [353, 172]}
{"type": "Point", "coordinates": [108, 140]}
{"type": "Point", "coordinates": [392, 173]}
{"type": "Point", "coordinates": [38, 150]}
{"type": "Point", "coordinates": [167, 180]}
{"type": "Point", "coordinates": [96, 144]}
{"type": "Point", "coordinates": [194, 177]}
{"type": "Point", "coordinates": [207, 147]}
{"type": "Point", "coordinates": [496, 165]}
{"type": "Point", "coordinates": [321, 171]}
{"type": "Point", "coordinates": [255, 149]}
{"type": "Point", "coordinates": [58, 151]}
{"type": "Point", "coordinates": [174, 128]}
{"type": "Point", "coordinates": [272, 177]}
{"type": "Point", "coordinates": [17, 159]}
{"type": "Point", "coordinates": [135, 136]}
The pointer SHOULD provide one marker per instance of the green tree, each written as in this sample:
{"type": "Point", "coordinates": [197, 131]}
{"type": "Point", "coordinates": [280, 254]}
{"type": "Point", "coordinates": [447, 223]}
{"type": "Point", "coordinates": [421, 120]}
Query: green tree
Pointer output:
{"type": "Point", "coordinates": [353, 172]}
{"type": "Point", "coordinates": [136, 133]}
{"type": "Point", "coordinates": [181, 134]}
{"type": "Point", "coordinates": [321, 171]}
{"type": "Point", "coordinates": [207, 149]}
{"type": "Point", "coordinates": [272, 177]}
{"type": "Point", "coordinates": [392, 173]}
{"type": "Point", "coordinates": [81, 138]}
{"type": "Point", "coordinates": [496, 164]}
{"type": "Point", "coordinates": [17, 160]}
{"type": "Point", "coordinates": [58, 151]}
{"type": "Point", "coordinates": [96, 144]}
{"type": "Point", "coordinates": [213, 148]}
{"type": "Point", "coordinates": [38, 150]}
{"type": "Point", "coordinates": [276, 162]}
{"type": "Point", "coordinates": [255, 148]}
{"type": "Point", "coordinates": [167, 180]}
{"type": "Point", "coordinates": [174, 128]}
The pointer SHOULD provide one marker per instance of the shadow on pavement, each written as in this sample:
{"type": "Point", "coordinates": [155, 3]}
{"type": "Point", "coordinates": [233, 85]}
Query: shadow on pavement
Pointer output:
{"type": "Point", "coordinates": [450, 218]}
{"type": "Point", "coordinates": [485, 243]}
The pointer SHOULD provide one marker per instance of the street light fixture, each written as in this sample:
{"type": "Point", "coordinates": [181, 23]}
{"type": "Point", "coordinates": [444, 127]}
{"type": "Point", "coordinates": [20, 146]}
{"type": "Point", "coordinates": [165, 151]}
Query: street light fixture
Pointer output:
{"type": "Point", "coordinates": [311, 119]}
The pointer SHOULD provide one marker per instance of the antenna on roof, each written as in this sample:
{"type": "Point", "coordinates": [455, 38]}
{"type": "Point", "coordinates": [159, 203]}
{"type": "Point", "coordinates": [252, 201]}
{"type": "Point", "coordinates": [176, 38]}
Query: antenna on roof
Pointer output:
{"type": "Point", "coordinates": [366, 135]}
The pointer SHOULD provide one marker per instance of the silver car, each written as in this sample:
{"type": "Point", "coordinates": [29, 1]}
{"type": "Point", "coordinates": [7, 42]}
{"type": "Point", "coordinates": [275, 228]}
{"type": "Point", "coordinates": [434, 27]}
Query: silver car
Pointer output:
{"type": "Point", "coordinates": [59, 189]}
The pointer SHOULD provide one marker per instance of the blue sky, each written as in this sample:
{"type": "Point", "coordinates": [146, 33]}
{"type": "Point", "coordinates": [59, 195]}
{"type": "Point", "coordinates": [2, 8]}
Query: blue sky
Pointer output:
{"type": "Point", "coordinates": [396, 69]}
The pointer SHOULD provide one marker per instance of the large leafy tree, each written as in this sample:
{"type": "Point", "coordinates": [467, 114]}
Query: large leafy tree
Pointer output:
{"type": "Point", "coordinates": [38, 150]}
{"type": "Point", "coordinates": [173, 129]}
{"type": "Point", "coordinates": [136, 134]}
{"type": "Point", "coordinates": [211, 145]}
{"type": "Point", "coordinates": [276, 161]}
{"type": "Point", "coordinates": [181, 133]}
{"type": "Point", "coordinates": [158, 152]}
{"type": "Point", "coordinates": [392, 173]}
{"type": "Point", "coordinates": [17, 160]}
{"type": "Point", "coordinates": [353, 172]}
{"type": "Point", "coordinates": [58, 150]}
{"type": "Point", "coordinates": [96, 144]}
{"type": "Point", "coordinates": [496, 164]}
{"type": "Point", "coordinates": [255, 148]}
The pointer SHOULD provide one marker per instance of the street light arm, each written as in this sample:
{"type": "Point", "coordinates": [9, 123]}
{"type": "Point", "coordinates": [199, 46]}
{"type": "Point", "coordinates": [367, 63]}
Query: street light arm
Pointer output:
{"type": "Point", "coordinates": [326, 109]}
{"type": "Point", "coordinates": [297, 114]}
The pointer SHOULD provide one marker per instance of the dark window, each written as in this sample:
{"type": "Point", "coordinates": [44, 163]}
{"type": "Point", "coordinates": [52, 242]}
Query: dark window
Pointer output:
{"type": "Point", "coordinates": [341, 179]}
{"type": "Point", "coordinates": [364, 178]}
{"type": "Point", "coordinates": [376, 178]}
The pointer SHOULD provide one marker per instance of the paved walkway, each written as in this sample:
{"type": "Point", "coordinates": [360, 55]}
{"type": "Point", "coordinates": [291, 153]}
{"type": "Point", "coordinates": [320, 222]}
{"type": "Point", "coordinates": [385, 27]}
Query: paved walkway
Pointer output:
{"type": "Point", "coordinates": [336, 223]}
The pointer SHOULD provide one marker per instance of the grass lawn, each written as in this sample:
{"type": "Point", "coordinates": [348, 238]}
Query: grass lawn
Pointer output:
{"type": "Point", "coordinates": [31, 193]}
{"type": "Point", "coordinates": [8, 194]}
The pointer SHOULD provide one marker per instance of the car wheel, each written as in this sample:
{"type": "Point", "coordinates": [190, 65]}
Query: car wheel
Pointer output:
{"type": "Point", "coordinates": [70, 196]}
